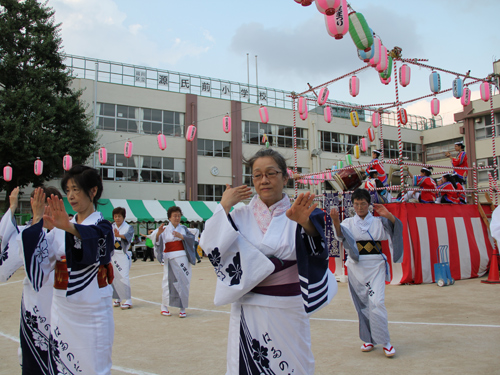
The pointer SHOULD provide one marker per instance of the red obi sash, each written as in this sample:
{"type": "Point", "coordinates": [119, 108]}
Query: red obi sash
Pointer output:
{"type": "Point", "coordinates": [173, 246]}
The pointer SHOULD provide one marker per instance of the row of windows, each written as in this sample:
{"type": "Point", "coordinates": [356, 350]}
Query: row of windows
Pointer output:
{"type": "Point", "coordinates": [410, 150]}
{"type": "Point", "coordinates": [210, 147]}
{"type": "Point", "coordinates": [144, 169]}
{"type": "Point", "coordinates": [124, 118]}
{"type": "Point", "coordinates": [435, 151]}
{"type": "Point", "coordinates": [210, 192]}
{"type": "Point", "coordinates": [277, 135]}
{"type": "Point", "coordinates": [338, 143]}
{"type": "Point", "coordinates": [484, 127]}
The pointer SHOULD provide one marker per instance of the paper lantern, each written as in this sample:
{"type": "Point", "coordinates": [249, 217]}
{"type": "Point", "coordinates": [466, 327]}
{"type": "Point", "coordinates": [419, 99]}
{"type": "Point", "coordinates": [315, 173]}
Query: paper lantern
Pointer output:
{"type": "Point", "coordinates": [303, 116]}
{"type": "Point", "coordinates": [403, 116]}
{"type": "Point", "coordinates": [484, 89]}
{"type": "Point", "coordinates": [103, 155]}
{"type": "Point", "coordinates": [304, 3]}
{"type": "Point", "coordinates": [458, 87]}
{"type": "Point", "coordinates": [465, 99]}
{"type": "Point", "coordinates": [127, 149]}
{"type": "Point", "coordinates": [67, 162]}
{"type": "Point", "coordinates": [348, 159]}
{"type": "Point", "coordinates": [376, 119]}
{"type": "Point", "coordinates": [162, 141]}
{"type": "Point", "coordinates": [364, 144]}
{"type": "Point", "coordinates": [366, 56]}
{"type": "Point", "coordinates": [340, 164]}
{"type": "Point", "coordinates": [435, 82]}
{"type": "Point", "coordinates": [226, 123]}
{"type": "Point", "coordinates": [386, 74]}
{"type": "Point", "coordinates": [302, 106]}
{"type": "Point", "coordinates": [356, 151]}
{"type": "Point", "coordinates": [290, 172]}
{"type": "Point", "coordinates": [371, 134]}
{"type": "Point", "coordinates": [354, 118]}
{"type": "Point", "coordinates": [264, 138]}
{"type": "Point", "coordinates": [317, 180]}
{"type": "Point", "coordinates": [360, 32]}
{"type": "Point", "coordinates": [354, 86]}
{"type": "Point", "coordinates": [435, 106]}
{"type": "Point", "coordinates": [404, 75]}
{"type": "Point", "coordinates": [38, 167]}
{"type": "Point", "coordinates": [7, 173]}
{"type": "Point", "coordinates": [327, 114]}
{"type": "Point", "coordinates": [264, 116]}
{"type": "Point", "coordinates": [191, 133]}
{"type": "Point", "coordinates": [384, 61]}
{"type": "Point", "coordinates": [385, 81]}
{"type": "Point", "coordinates": [323, 95]}
{"type": "Point", "coordinates": [376, 47]}
{"type": "Point", "coordinates": [327, 7]}
{"type": "Point", "coordinates": [337, 24]}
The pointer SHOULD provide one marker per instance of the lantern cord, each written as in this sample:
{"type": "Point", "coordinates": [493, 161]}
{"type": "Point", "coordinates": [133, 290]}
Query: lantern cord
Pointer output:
{"type": "Point", "coordinates": [415, 62]}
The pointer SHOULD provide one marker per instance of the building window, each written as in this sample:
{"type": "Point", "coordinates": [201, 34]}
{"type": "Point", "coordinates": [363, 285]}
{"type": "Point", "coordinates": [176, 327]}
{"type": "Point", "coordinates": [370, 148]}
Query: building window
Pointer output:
{"type": "Point", "coordinates": [339, 143]}
{"type": "Point", "coordinates": [484, 127]}
{"type": "Point", "coordinates": [128, 119]}
{"type": "Point", "coordinates": [410, 150]}
{"type": "Point", "coordinates": [277, 135]}
{"type": "Point", "coordinates": [143, 169]}
{"type": "Point", "coordinates": [482, 175]}
{"type": "Point", "coordinates": [210, 192]}
{"type": "Point", "coordinates": [436, 151]}
{"type": "Point", "coordinates": [214, 148]}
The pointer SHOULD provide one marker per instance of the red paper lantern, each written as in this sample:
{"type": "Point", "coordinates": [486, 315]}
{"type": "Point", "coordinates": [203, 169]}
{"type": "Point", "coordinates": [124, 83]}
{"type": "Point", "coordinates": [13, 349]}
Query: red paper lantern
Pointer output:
{"type": "Point", "coordinates": [38, 167]}
{"type": "Point", "coordinates": [191, 133]}
{"type": "Point", "coordinates": [162, 141]}
{"type": "Point", "coordinates": [226, 123]}
{"type": "Point", "coordinates": [67, 162]}
{"type": "Point", "coordinates": [264, 116]}
{"type": "Point", "coordinates": [103, 155]}
{"type": "Point", "coordinates": [7, 173]}
{"type": "Point", "coordinates": [371, 134]}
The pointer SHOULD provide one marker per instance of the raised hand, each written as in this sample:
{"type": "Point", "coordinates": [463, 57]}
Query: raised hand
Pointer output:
{"type": "Point", "coordinates": [14, 200]}
{"type": "Point", "coordinates": [117, 233]}
{"type": "Point", "coordinates": [302, 208]}
{"type": "Point", "coordinates": [384, 212]}
{"type": "Point", "coordinates": [38, 205]}
{"type": "Point", "coordinates": [160, 230]}
{"type": "Point", "coordinates": [177, 234]}
{"type": "Point", "coordinates": [232, 196]}
{"type": "Point", "coordinates": [60, 218]}
{"type": "Point", "coordinates": [334, 214]}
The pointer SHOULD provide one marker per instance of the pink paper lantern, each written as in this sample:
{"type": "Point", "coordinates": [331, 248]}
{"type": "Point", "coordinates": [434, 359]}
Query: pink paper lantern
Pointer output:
{"type": "Point", "coordinates": [382, 64]}
{"type": "Point", "coordinates": [337, 25]}
{"type": "Point", "coordinates": [103, 155]}
{"type": "Point", "coordinates": [376, 119]}
{"type": "Point", "coordinates": [38, 167]}
{"type": "Point", "coordinates": [385, 81]}
{"type": "Point", "coordinates": [364, 144]}
{"type": "Point", "coordinates": [327, 114]}
{"type": "Point", "coordinates": [302, 105]}
{"type": "Point", "coordinates": [435, 106]}
{"type": "Point", "coordinates": [304, 3]}
{"type": "Point", "coordinates": [327, 7]}
{"type": "Point", "coordinates": [354, 86]}
{"type": "Point", "coordinates": [226, 123]}
{"type": "Point", "coordinates": [162, 141]}
{"type": "Point", "coordinates": [404, 75]}
{"type": "Point", "coordinates": [377, 48]}
{"type": "Point", "coordinates": [323, 95]}
{"type": "Point", "coordinates": [264, 116]}
{"type": "Point", "coordinates": [371, 134]}
{"type": "Point", "coordinates": [7, 173]}
{"type": "Point", "coordinates": [303, 116]}
{"type": "Point", "coordinates": [484, 89]}
{"type": "Point", "coordinates": [403, 116]}
{"type": "Point", "coordinates": [128, 148]}
{"type": "Point", "coordinates": [191, 133]}
{"type": "Point", "coordinates": [67, 162]}
{"type": "Point", "coordinates": [290, 172]}
{"type": "Point", "coordinates": [465, 99]}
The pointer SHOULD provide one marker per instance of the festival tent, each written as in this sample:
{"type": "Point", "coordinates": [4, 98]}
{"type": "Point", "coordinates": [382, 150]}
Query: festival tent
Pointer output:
{"type": "Point", "coordinates": [153, 210]}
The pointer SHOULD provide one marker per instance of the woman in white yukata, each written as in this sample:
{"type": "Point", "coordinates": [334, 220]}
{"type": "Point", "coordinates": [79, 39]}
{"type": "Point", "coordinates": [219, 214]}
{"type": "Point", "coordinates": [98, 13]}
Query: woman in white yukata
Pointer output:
{"type": "Point", "coordinates": [272, 266]}
{"type": "Point", "coordinates": [367, 267]}
{"type": "Point", "coordinates": [122, 259]}
{"type": "Point", "coordinates": [81, 322]}
{"type": "Point", "coordinates": [35, 304]}
{"type": "Point", "coordinates": [174, 246]}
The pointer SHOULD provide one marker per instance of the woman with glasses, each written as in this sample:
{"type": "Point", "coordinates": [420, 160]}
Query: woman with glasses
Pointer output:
{"type": "Point", "coordinates": [267, 256]}
{"type": "Point", "coordinates": [368, 267]}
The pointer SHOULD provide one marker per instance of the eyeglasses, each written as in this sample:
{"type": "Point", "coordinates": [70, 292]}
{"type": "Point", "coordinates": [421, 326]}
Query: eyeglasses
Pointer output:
{"type": "Point", "coordinates": [360, 205]}
{"type": "Point", "coordinates": [269, 175]}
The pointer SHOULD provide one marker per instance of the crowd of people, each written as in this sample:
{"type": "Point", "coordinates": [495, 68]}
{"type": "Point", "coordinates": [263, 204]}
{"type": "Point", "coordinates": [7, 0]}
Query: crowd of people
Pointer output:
{"type": "Point", "coordinates": [269, 257]}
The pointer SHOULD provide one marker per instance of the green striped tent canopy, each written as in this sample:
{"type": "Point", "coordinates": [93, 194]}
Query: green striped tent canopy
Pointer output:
{"type": "Point", "coordinates": [153, 210]}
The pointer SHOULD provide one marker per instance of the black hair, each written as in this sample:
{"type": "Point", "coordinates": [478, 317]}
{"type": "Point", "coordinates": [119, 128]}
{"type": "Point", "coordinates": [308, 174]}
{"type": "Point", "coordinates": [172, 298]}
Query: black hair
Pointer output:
{"type": "Point", "coordinates": [85, 178]}
{"type": "Point", "coordinates": [360, 195]}
{"type": "Point", "coordinates": [451, 179]}
{"type": "Point", "coordinates": [462, 146]}
{"type": "Point", "coordinates": [119, 211]}
{"type": "Point", "coordinates": [375, 173]}
{"type": "Point", "coordinates": [49, 191]}
{"type": "Point", "coordinates": [173, 209]}
{"type": "Point", "coordinates": [268, 152]}
{"type": "Point", "coordinates": [427, 172]}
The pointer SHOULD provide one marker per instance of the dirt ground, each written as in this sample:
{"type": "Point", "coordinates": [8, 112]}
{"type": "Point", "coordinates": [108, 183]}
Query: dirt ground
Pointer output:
{"type": "Point", "coordinates": [448, 330]}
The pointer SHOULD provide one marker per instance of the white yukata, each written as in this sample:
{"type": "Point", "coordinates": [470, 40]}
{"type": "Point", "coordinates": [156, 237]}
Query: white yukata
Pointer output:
{"type": "Point", "coordinates": [269, 329]}
{"type": "Point", "coordinates": [122, 261]}
{"type": "Point", "coordinates": [367, 273]}
{"type": "Point", "coordinates": [81, 322]}
{"type": "Point", "coordinates": [176, 266]}
{"type": "Point", "coordinates": [35, 306]}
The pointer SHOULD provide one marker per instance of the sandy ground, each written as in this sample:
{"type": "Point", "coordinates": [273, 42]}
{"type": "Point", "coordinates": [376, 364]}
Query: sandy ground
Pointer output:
{"type": "Point", "coordinates": [448, 330]}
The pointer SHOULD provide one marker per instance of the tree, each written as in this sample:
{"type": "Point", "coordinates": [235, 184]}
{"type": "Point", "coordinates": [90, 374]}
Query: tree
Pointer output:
{"type": "Point", "coordinates": [40, 114]}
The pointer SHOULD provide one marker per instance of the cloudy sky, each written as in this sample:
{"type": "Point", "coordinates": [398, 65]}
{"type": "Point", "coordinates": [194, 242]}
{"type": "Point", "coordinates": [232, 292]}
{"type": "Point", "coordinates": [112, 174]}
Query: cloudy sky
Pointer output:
{"type": "Point", "coordinates": [212, 38]}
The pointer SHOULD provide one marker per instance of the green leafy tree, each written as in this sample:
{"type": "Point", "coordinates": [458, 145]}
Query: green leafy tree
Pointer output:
{"type": "Point", "coordinates": [40, 114]}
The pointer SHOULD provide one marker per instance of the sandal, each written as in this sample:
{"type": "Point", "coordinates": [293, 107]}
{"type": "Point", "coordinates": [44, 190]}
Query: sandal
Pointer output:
{"type": "Point", "coordinates": [126, 306]}
{"type": "Point", "coordinates": [182, 315]}
{"type": "Point", "coordinates": [116, 303]}
{"type": "Point", "coordinates": [367, 347]}
{"type": "Point", "coordinates": [389, 352]}
{"type": "Point", "coordinates": [165, 313]}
